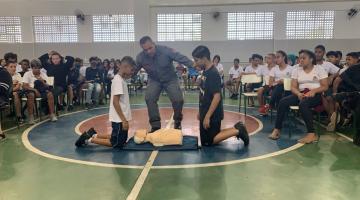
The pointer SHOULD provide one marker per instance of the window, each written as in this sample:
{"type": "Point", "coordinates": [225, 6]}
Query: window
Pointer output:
{"type": "Point", "coordinates": [10, 29]}
{"type": "Point", "coordinates": [113, 28]}
{"type": "Point", "coordinates": [310, 24]}
{"type": "Point", "coordinates": [179, 27]}
{"type": "Point", "coordinates": [250, 26]}
{"type": "Point", "coordinates": [55, 29]}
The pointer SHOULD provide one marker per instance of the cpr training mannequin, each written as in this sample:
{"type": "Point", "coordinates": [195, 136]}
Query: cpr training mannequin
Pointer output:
{"type": "Point", "coordinates": [161, 137]}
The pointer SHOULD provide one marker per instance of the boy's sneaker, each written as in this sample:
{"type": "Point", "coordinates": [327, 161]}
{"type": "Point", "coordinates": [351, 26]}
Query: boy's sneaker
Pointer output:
{"type": "Point", "coordinates": [53, 118]}
{"type": "Point", "coordinates": [243, 134]}
{"type": "Point", "coordinates": [20, 120]}
{"type": "Point", "coordinates": [81, 141]}
{"type": "Point", "coordinates": [91, 132]}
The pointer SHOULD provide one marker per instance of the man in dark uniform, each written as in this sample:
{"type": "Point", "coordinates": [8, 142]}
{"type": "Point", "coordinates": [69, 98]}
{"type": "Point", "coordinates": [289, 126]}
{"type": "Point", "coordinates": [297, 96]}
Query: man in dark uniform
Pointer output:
{"type": "Point", "coordinates": [158, 62]}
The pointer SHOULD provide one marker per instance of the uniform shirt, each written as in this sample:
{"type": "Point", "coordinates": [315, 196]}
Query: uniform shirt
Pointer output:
{"type": "Point", "coordinates": [251, 69]}
{"type": "Point", "coordinates": [220, 69]}
{"type": "Point", "coordinates": [281, 74]}
{"type": "Point", "coordinates": [210, 83]}
{"type": "Point", "coordinates": [30, 78]}
{"type": "Point", "coordinates": [309, 80]}
{"type": "Point", "coordinates": [160, 67]}
{"type": "Point", "coordinates": [330, 68]}
{"type": "Point", "coordinates": [235, 72]}
{"type": "Point", "coordinates": [17, 77]}
{"type": "Point", "coordinates": [119, 87]}
{"type": "Point", "coordinates": [83, 70]}
{"type": "Point", "coordinates": [264, 70]}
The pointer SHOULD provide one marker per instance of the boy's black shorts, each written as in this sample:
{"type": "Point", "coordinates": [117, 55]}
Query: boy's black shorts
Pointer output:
{"type": "Point", "coordinates": [118, 135]}
{"type": "Point", "coordinates": [207, 136]}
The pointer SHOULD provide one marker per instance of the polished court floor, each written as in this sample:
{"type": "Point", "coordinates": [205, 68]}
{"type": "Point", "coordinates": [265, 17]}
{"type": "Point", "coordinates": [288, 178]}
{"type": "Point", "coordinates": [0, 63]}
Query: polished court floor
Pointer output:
{"type": "Point", "coordinates": [41, 162]}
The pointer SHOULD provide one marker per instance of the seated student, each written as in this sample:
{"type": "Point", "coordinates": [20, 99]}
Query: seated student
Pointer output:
{"type": "Point", "coordinates": [352, 60]}
{"type": "Point", "coordinates": [184, 76]}
{"type": "Point", "coordinates": [25, 65]}
{"type": "Point", "coordinates": [254, 68]}
{"type": "Point", "coordinates": [265, 73]}
{"type": "Point", "coordinates": [34, 84]}
{"type": "Point", "coordinates": [219, 67]}
{"type": "Point", "coordinates": [233, 83]}
{"type": "Point", "coordinates": [119, 112]}
{"type": "Point", "coordinates": [58, 67]}
{"type": "Point", "coordinates": [193, 74]}
{"type": "Point", "coordinates": [93, 78]}
{"type": "Point", "coordinates": [109, 76]}
{"type": "Point", "coordinates": [12, 57]}
{"type": "Point", "coordinates": [211, 110]}
{"type": "Point", "coordinates": [73, 82]}
{"type": "Point", "coordinates": [5, 90]}
{"type": "Point", "coordinates": [333, 72]}
{"type": "Point", "coordinates": [277, 74]}
{"type": "Point", "coordinates": [308, 82]}
{"type": "Point", "coordinates": [16, 89]}
{"type": "Point", "coordinates": [334, 57]}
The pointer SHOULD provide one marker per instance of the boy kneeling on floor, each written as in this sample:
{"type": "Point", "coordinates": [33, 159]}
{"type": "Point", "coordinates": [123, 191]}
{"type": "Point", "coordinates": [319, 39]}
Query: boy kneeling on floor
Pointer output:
{"type": "Point", "coordinates": [119, 112]}
{"type": "Point", "coordinates": [211, 110]}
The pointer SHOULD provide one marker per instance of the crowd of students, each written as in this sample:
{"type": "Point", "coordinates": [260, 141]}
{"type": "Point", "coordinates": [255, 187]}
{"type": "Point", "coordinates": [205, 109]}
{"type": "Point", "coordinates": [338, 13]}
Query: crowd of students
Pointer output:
{"type": "Point", "coordinates": [315, 81]}
{"type": "Point", "coordinates": [48, 78]}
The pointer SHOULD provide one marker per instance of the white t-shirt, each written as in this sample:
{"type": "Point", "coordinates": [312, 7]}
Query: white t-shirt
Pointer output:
{"type": "Point", "coordinates": [264, 70]}
{"type": "Point", "coordinates": [250, 69]}
{"type": "Point", "coordinates": [29, 78]}
{"type": "Point", "coordinates": [235, 72]}
{"type": "Point", "coordinates": [82, 70]}
{"type": "Point", "coordinates": [17, 77]}
{"type": "Point", "coordinates": [18, 68]}
{"type": "Point", "coordinates": [330, 68]}
{"type": "Point", "coordinates": [281, 74]}
{"type": "Point", "coordinates": [220, 69]}
{"type": "Point", "coordinates": [309, 80]}
{"type": "Point", "coordinates": [119, 87]}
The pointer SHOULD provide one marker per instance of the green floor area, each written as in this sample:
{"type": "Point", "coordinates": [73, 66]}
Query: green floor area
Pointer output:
{"type": "Point", "coordinates": [327, 170]}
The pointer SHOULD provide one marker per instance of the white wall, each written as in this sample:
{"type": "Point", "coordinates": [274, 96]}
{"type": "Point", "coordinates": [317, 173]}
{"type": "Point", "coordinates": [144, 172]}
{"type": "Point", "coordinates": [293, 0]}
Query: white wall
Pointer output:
{"type": "Point", "coordinates": [346, 32]}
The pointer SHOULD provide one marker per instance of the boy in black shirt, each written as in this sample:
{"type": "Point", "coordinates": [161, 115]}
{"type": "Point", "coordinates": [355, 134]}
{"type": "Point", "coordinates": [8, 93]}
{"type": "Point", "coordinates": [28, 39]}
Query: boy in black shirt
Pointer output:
{"type": "Point", "coordinates": [210, 103]}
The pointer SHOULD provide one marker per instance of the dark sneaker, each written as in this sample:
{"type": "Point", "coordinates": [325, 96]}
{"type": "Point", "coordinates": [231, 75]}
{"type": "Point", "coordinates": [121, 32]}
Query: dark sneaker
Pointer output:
{"type": "Point", "coordinates": [243, 134]}
{"type": "Point", "coordinates": [82, 139]}
{"type": "Point", "coordinates": [153, 129]}
{"type": "Point", "coordinates": [177, 125]}
{"type": "Point", "coordinates": [20, 120]}
{"type": "Point", "coordinates": [91, 132]}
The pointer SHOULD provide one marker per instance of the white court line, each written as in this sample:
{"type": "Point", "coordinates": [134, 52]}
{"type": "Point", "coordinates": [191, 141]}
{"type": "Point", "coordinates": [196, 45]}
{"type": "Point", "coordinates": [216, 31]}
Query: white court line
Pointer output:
{"type": "Point", "coordinates": [145, 172]}
{"type": "Point", "coordinates": [141, 180]}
